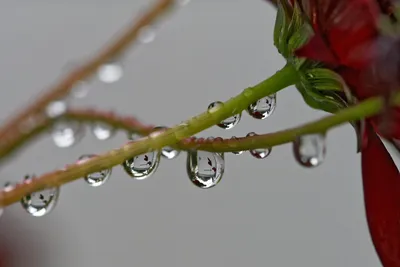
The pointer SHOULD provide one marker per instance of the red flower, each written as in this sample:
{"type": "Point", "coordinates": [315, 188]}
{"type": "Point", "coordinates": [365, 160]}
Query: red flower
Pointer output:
{"type": "Point", "coordinates": [348, 41]}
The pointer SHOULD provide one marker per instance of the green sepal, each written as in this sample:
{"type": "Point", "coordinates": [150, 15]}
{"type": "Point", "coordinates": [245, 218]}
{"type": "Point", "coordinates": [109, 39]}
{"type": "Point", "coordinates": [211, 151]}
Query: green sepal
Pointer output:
{"type": "Point", "coordinates": [328, 101]}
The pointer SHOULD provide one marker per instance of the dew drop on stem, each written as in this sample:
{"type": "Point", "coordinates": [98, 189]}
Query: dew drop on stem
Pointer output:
{"type": "Point", "coordinates": [40, 203]}
{"type": "Point", "coordinates": [205, 169]}
{"type": "Point", "coordinates": [310, 150]}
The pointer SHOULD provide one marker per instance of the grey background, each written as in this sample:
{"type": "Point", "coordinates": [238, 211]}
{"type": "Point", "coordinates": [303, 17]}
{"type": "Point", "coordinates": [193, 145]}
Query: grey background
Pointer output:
{"type": "Point", "coordinates": [269, 212]}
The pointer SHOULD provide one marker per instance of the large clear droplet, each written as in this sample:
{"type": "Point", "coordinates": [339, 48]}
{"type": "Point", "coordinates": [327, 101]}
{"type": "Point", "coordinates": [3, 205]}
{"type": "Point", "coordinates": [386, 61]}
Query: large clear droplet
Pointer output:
{"type": "Point", "coordinates": [310, 150]}
{"type": "Point", "coordinates": [40, 203]}
{"type": "Point", "coordinates": [228, 123]}
{"type": "Point", "coordinates": [205, 169]}
{"type": "Point", "coordinates": [56, 109]}
{"type": "Point", "coordinates": [102, 131]}
{"type": "Point", "coordinates": [263, 108]}
{"type": "Point", "coordinates": [259, 153]}
{"type": "Point", "coordinates": [66, 134]}
{"type": "Point", "coordinates": [142, 166]}
{"type": "Point", "coordinates": [110, 72]}
{"type": "Point", "coordinates": [147, 35]}
{"type": "Point", "coordinates": [97, 178]}
{"type": "Point", "coordinates": [167, 152]}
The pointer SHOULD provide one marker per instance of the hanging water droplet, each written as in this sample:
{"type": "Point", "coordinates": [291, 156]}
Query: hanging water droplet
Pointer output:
{"type": "Point", "coordinates": [97, 178]}
{"type": "Point", "coordinates": [65, 134]}
{"type": "Point", "coordinates": [142, 166]}
{"type": "Point", "coordinates": [40, 203]}
{"type": "Point", "coordinates": [263, 108]}
{"type": "Point", "coordinates": [167, 152]}
{"type": "Point", "coordinates": [102, 131]}
{"type": "Point", "coordinates": [147, 35]}
{"type": "Point", "coordinates": [259, 153]}
{"type": "Point", "coordinates": [236, 152]}
{"type": "Point", "coordinates": [80, 89]}
{"type": "Point", "coordinates": [228, 123]}
{"type": "Point", "coordinates": [110, 72]}
{"type": "Point", "coordinates": [205, 169]}
{"type": "Point", "coordinates": [56, 109]}
{"type": "Point", "coordinates": [310, 150]}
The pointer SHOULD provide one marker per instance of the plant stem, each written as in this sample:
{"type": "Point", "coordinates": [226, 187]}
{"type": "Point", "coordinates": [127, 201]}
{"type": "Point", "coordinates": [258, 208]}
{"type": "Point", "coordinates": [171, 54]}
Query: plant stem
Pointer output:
{"type": "Point", "coordinates": [11, 131]}
{"type": "Point", "coordinates": [283, 78]}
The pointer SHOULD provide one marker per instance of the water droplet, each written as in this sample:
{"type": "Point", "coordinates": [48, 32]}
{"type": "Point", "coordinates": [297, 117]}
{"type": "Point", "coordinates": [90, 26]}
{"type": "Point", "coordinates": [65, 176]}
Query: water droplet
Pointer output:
{"type": "Point", "coordinates": [102, 131]}
{"type": "Point", "coordinates": [259, 153]}
{"type": "Point", "coordinates": [110, 72]}
{"type": "Point", "coordinates": [66, 134]}
{"type": "Point", "coordinates": [228, 123]}
{"type": "Point", "coordinates": [310, 150]}
{"type": "Point", "coordinates": [97, 178]}
{"type": "Point", "coordinates": [80, 89]}
{"type": "Point", "coordinates": [56, 109]}
{"type": "Point", "coordinates": [169, 152]}
{"type": "Point", "coordinates": [147, 35]}
{"type": "Point", "coordinates": [236, 152]}
{"type": "Point", "coordinates": [205, 169]}
{"type": "Point", "coordinates": [42, 202]}
{"type": "Point", "coordinates": [263, 108]}
{"type": "Point", "coordinates": [142, 166]}
{"type": "Point", "coordinates": [8, 186]}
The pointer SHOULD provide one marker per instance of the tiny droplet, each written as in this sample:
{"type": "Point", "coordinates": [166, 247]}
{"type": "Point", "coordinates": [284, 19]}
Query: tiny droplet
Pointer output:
{"type": "Point", "coordinates": [259, 153]}
{"type": "Point", "coordinates": [205, 169]}
{"type": "Point", "coordinates": [228, 123]}
{"type": "Point", "coordinates": [310, 150]}
{"type": "Point", "coordinates": [97, 178]}
{"type": "Point", "coordinates": [42, 202]}
{"type": "Point", "coordinates": [147, 35]}
{"type": "Point", "coordinates": [263, 108]}
{"type": "Point", "coordinates": [236, 152]}
{"type": "Point", "coordinates": [166, 152]}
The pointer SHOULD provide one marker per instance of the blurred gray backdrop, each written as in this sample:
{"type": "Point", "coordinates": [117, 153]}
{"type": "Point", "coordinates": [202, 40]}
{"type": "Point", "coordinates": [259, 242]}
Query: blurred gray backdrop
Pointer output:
{"type": "Point", "coordinates": [269, 212]}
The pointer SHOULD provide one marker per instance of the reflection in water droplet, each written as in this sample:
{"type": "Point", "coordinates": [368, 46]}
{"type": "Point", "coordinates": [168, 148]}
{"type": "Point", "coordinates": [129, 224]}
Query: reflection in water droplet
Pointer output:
{"type": "Point", "coordinates": [97, 178]}
{"type": "Point", "coordinates": [102, 131]}
{"type": "Point", "coordinates": [65, 134]}
{"type": "Point", "coordinates": [310, 150]}
{"type": "Point", "coordinates": [40, 203]}
{"type": "Point", "coordinates": [205, 169]}
{"type": "Point", "coordinates": [228, 123]}
{"type": "Point", "coordinates": [56, 109]}
{"type": "Point", "coordinates": [259, 153]}
{"type": "Point", "coordinates": [147, 35]}
{"type": "Point", "coordinates": [110, 72]}
{"type": "Point", "coordinates": [142, 166]}
{"type": "Point", "coordinates": [263, 108]}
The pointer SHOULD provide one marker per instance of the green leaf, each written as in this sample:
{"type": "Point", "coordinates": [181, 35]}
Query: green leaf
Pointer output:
{"type": "Point", "coordinates": [282, 26]}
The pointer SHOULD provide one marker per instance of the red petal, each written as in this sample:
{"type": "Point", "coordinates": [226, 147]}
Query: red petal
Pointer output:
{"type": "Point", "coordinates": [316, 49]}
{"type": "Point", "coordinates": [381, 183]}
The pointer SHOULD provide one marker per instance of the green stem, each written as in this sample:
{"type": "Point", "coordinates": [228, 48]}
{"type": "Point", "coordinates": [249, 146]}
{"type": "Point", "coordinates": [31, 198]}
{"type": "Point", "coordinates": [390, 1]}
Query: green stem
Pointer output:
{"type": "Point", "coordinates": [280, 80]}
